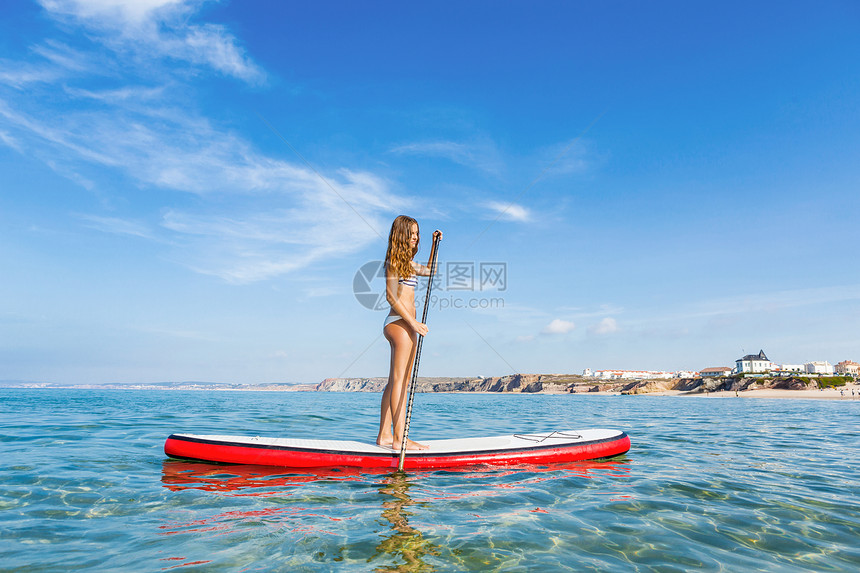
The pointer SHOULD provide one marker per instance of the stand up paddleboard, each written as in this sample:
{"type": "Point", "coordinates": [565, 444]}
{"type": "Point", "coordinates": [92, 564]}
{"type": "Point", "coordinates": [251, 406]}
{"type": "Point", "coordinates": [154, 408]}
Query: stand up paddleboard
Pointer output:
{"type": "Point", "coordinates": [541, 448]}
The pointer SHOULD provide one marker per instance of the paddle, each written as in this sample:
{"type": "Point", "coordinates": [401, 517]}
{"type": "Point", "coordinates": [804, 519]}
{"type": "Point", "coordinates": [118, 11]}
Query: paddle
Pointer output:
{"type": "Point", "coordinates": [414, 381]}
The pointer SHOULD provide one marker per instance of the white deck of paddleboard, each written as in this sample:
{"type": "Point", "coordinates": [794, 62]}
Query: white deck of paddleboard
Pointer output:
{"type": "Point", "coordinates": [451, 446]}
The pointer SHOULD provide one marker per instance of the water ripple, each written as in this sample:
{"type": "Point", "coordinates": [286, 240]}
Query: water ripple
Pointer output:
{"type": "Point", "coordinates": [712, 485]}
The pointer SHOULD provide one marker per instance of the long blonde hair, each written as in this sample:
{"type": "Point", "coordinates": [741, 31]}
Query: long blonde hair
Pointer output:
{"type": "Point", "coordinates": [398, 257]}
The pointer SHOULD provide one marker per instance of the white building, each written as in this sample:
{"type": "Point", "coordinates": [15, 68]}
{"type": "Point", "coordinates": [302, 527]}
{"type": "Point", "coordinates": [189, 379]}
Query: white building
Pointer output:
{"type": "Point", "coordinates": [631, 374]}
{"type": "Point", "coordinates": [754, 363]}
{"type": "Point", "coordinates": [818, 367]}
{"type": "Point", "coordinates": [685, 374]}
{"type": "Point", "coordinates": [715, 371]}
{"type": "Point", "coordinates": [587, 372]}
{"type": "Point", "coordinates": [848, 367]}
{"type": "Point", "coordinates": [792, 368]}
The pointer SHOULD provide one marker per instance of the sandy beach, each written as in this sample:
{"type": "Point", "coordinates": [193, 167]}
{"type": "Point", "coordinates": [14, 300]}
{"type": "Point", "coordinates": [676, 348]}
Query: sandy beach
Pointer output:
{"type": "Point", "coordinates": [841, 393]}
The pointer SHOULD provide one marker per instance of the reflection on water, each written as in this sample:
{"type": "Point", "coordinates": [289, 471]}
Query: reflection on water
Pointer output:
{"type": "Point", "coordinates": [261, 481]}
{"type": "Point", "coordinates": [402, 546]}
{"type": "Point", "coordinates": [178, 475]}
{"type": "Point", "coordinates": [295, 506]}
{"type": "Point", "coordinates": [404, 543]}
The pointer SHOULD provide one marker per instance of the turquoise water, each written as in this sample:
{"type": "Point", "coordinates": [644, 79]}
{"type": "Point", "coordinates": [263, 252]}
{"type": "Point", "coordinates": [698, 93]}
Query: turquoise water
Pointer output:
{"type": "Point", "coordinates": [712, 484]}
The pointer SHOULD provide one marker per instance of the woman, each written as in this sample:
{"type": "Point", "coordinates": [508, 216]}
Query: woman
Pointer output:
{"type": "Point", "coordinates": [401, 328]}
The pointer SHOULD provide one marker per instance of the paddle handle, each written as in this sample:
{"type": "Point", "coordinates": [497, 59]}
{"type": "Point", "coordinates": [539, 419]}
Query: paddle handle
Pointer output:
{"type": "Point", "coordinates": [414, 381]}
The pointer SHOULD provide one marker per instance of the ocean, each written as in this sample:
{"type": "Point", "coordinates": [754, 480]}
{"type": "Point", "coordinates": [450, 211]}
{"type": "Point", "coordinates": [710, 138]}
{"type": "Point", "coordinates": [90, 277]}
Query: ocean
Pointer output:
{"type": "Point", "coordinates": [710, 484]}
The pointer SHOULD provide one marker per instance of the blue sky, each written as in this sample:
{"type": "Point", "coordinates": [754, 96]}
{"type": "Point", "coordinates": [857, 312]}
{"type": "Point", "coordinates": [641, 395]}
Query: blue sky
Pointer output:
{"type": "Point", "coordinates": [189, 188]}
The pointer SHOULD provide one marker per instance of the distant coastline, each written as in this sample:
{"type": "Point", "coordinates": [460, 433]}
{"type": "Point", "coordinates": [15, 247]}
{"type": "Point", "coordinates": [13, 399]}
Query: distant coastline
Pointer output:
{"type": "Point", "coordinates": [737, 385]}
{"type": "Point", "coordinates": [207, 386]}
{"type": "Point", "coordinates": [759, 386]}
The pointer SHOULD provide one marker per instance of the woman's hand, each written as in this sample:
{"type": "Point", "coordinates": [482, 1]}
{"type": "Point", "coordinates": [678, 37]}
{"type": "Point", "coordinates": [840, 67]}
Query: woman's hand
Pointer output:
{"type": "Point", "coordinates": [420, 328]}
{"type": "Point", "coordinates": [427, 270]}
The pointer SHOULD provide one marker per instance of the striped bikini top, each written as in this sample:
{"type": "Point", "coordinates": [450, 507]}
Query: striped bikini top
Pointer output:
{"type": "Point", "coordinates": [411, 282]}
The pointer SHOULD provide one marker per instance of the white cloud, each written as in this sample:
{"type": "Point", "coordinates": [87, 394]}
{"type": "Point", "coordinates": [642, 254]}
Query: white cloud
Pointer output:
{"type": "Point", "coordinates": [64, 57]}
{"type": "Point", "coordinates": [566, 158]}
{"type": "Point", "coordinates": [256, 242]}
{"type": "Point", "coordinates": [117, 226]}
{"type": "Point", "coordinates": [510, 211]}
{"type": "Point", "coordinates": [558, 326]}
{"type": "Point", "coordinates": [120, 96]}
{"type": "Point", "coordinates": [288, 216]}
{"type": "Point", "coordinates": [605, 326]}
{"type": "Point", "coordinates": [452, 150]}
{"type": "Point", "coordinates": [480, 154]}
{"type": "Point", "coordinates": [12, 74]}
{"type": "Point", "coordinates": [257, 215]}
{"type": "Point", "coordinates": [726, 311]}
{"type": "Point", "coordinates": [61, 62]}
{"type": "Point", "coordinates": [50, 135]}
{"type": "Point", "coordinates": [213, 45]}
{"type": "Point", "coordinates": [582, 313]}
{"type": "Point", "coordinates": [160, 28]}
{"type": "Point", "coordinates": [9, 141]}
{"type": "Point", "coordinates": [323, 291]}
{"type": "Point", "coordinates": [125, 12]}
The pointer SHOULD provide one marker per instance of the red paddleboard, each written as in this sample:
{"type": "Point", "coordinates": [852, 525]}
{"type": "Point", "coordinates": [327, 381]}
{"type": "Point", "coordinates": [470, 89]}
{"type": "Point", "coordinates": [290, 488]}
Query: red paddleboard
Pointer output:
{"type": "Point", "coordinates": [539, 448]}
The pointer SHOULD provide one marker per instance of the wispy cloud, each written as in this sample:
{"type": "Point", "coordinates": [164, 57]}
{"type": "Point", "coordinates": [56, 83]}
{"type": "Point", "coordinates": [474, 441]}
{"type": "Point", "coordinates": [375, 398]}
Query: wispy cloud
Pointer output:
{"type": "Point", "coordinates": [509, 212]}
{"type": "Point", "coordinates": [567, 158]}
{"type": "Point", "coordinates": [295, 226]}
{"type": "Point", "coordinates": [726, 311]}
{"type": "Point", "coordinates": [280, 219]}
{"type": "Point", "coordinates": [124, 95]}
{"type": "Point", "coordinates": [64, 57]}
{"type": "Point", "coordinates": [9, 141]}
{"type": "Point", "coordinates": [479, 154]}
{"type": "Point", "coordinates": [257, 215]}
{"type": "Point", "coordinates": [124, 12]}
{"type": "Point", "coordinates": [117, 226]}
{"type": "Point", "coordinates": [558, 326]}
{"type": "Point", "coordinates": [582, 313]}
{"type": "Point", "coordinates": [161, 28]}
{"type": "Point", "coordinates": [58, 61]}
{"type": "Point", "coordinates": [606, 326]}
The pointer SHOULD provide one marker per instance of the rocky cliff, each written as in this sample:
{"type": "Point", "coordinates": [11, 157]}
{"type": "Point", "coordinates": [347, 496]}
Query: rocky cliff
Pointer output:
{"type": "Point", "coordinates": [513, 383]}
{"type": "Point", "coordinates": [740, 383]}
{"type": "Point", "coordinates": [559, 384]}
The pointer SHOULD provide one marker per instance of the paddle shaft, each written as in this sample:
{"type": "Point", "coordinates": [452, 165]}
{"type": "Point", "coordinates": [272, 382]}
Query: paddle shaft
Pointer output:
{"type": "Point", "coordinates": [412, 383]}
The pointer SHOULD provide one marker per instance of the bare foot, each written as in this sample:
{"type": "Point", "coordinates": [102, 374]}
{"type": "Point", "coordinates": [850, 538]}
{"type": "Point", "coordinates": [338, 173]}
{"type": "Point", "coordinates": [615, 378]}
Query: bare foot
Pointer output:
{"type": "Point", "coordinates": [385, 442]}
{"type": "Point", "coordinates": [410, 445]}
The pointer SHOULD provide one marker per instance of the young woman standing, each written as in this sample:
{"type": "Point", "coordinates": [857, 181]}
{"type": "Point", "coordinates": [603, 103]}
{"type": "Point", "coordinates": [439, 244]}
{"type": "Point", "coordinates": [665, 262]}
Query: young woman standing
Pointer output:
{"type": "Point", "coordinates": [401, 328]}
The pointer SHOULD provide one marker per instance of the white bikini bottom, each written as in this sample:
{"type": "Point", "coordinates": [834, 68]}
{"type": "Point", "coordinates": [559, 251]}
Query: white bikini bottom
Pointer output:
{"type": "Point", "coordinates": [391, 318]}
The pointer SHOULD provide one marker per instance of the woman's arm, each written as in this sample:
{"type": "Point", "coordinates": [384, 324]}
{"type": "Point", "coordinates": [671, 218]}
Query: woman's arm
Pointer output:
{"type": "Point", "coordinates": [391, 291]}
{"type": "Point", "coordinates": [424, 270]}
{"type": "Point", "coordinates": [420, 270]}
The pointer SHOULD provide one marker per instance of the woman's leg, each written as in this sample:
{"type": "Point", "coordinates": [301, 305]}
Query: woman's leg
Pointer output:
{"type": "Point", "coordinates": [393, 408]}
{"type": "Point", "coordinates": [400, 412]}
{"type": "Point", "coordinates": [385, 437]}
